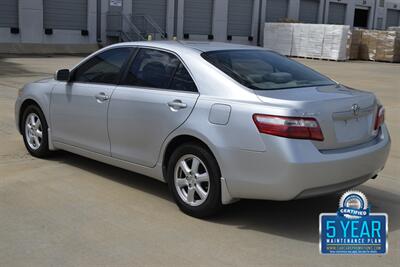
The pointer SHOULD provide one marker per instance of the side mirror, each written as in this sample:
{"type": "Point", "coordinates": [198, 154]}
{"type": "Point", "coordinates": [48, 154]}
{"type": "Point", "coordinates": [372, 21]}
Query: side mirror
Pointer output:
{"type": "Point", "coordinates": [62, 75]}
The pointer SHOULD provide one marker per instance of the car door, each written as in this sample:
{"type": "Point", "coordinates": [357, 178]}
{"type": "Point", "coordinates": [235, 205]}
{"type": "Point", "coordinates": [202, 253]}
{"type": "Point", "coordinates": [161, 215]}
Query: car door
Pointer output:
{"type": "Point", "coordinates": [155, 97]}
{"type": "Point", "coordinates": [78, 108]}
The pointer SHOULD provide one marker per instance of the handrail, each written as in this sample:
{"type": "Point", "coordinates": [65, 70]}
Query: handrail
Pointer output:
{"type": "Point", "coordinates": [132, 27]}
{"type": "Point", "coordinates": [155, 25]}
{"type": "Point", "coordinates": [149, 20]}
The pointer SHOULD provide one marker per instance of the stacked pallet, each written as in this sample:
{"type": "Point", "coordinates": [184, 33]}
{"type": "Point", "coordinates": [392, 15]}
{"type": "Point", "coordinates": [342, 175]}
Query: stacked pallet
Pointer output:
{"type": "Point", "coordinates": [308, 40]}
{"type": "Point", "coordinates": [279, 37]}
{"type": "Point", "coordinates": [356, 38]}
{"type": "Point", "coordinates": [375, 45]}
{"type": "Point", "coordinates": [336, 43]}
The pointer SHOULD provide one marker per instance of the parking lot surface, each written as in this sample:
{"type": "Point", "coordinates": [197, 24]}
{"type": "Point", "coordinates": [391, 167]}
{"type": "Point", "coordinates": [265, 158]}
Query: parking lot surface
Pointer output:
{"type": "Point", "coordinates": [72, 211]}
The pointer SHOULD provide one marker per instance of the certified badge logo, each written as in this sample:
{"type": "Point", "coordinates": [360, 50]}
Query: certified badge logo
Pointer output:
{"type": "Point", "coordinates": [353, 229]}
{"type": "Point", "coordinates": [353, 205]}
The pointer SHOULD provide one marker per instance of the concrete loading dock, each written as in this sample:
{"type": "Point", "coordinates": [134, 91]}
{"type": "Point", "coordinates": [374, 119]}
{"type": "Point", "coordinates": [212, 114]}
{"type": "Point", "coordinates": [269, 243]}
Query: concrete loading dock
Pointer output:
{"type": "Point", "coordinates": [85, 22]}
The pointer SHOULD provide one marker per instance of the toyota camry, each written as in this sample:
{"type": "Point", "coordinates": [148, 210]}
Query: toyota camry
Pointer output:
{"type": "Point", "coordinates": [217, 122]}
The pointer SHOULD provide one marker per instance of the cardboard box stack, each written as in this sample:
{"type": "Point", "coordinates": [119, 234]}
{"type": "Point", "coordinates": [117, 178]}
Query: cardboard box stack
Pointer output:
{"type": "Point", "coordinates": [378, 45]}
{"type": "Point", "coordinates": [315, 41]}
{"type": "Point", "coordinates": [388, 46]}
{"type": "Point", "coordinates": [300, 39]}
{"type": "Point", "coordinates": [335, 43]}
{"type": "Point", "coordinates": [279, 37]}
{"type": "Point", "coordinates": [394, 28]}
{"type": "Point", "coordinates": [368, 45]}
{"type": "Point", "coordinates": [308, 40]}
{"type": "Point", "coordinates": [355, 44]}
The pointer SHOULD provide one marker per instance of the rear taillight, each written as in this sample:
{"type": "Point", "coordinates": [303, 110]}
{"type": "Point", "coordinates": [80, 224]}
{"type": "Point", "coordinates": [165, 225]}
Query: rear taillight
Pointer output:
{"type": "Point", "coordinates": [290, 127]}
{"type": "Point", "coordinates": [380, 118]}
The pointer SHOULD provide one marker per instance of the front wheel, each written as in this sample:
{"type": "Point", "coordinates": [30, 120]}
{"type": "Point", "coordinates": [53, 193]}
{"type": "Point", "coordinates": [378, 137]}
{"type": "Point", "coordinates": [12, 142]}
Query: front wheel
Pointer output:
{"type": "Point", "coordinates": [194, 180]}
{"type": "Point", "coordinates": [34, 131]}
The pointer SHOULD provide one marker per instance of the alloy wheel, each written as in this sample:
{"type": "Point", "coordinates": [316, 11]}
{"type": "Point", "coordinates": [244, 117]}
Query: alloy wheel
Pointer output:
{"type": "Point", "coordinates": [192, 180]}
{"type": "Point", "coordinates": [33, 131]}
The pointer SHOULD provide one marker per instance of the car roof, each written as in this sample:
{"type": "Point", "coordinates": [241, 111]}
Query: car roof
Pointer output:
{"type": "Point", "coordinates": [191, 45]}
{"type": "Point", "coordinates": [214, 46]}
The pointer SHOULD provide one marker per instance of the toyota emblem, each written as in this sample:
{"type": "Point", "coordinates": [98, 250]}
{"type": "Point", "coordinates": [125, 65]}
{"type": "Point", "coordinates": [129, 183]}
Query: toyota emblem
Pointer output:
{"type": "Point", "coordinates": [356, 110]}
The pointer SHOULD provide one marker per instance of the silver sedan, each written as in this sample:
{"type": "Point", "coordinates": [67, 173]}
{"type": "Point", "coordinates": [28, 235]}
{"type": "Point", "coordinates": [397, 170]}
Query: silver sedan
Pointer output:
{"type": "Point", "coordinates": [217, 122]}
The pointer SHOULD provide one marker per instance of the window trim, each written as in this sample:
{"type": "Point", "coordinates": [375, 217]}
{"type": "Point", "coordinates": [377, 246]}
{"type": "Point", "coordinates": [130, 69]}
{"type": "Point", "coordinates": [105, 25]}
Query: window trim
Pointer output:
{"type": "Point", "coordinates": [132, 59]}
{"type": "Point", "coordinates": [173, 77]}
{"type": "Point", "coordinates": [204, 55]}
{"type": "Point", "coordinates": [122, 70]}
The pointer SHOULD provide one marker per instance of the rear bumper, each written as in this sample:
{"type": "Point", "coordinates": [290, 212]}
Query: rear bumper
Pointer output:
{"type": "Point", "coordinates": [290, 169]}
{"type": "Point", "coordinates": [326, 189]}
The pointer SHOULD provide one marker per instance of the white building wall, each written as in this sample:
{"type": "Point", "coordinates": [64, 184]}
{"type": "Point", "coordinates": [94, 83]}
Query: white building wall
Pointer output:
{"type": "Point", "coordinates": [220, 20]}
{"type": "Point", "coordinates": [351, 6]}
{"type": "Point", "coordinates": [254, 28]}
{"type": "Point", "coordinates": [393, 4]}
{"type": "Point", "coordinates": [31, 20]}
{"type": "Point", "coordinates": [170, 18]}
{"type": "Point", "coordinates": [293, 12]}
{"type": "Point", "coordinates": [31, 27]}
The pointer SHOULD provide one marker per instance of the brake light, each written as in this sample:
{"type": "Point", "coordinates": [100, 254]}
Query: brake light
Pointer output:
{"type": "Point", "coordinates": [290, 127]}
{"type": "Point", "coordinates": [380, 117]}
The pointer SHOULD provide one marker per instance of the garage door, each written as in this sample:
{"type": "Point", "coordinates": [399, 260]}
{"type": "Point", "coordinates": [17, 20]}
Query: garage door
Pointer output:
{"type": "Point", "coordinates": [309, 10]}
{"type": "Point", "coordinates": [66, 15]}
{"type": "Point", "coordinates": [392, 18]}
{"type": "Point", "coordinates": [276, 10]}
{"type": "Point", "coordinates": [337, 13]}
{"type": "Point", "coordinates": [8, 13]}
{"type": "Point", "coordinates": [156, 9]}
{"type": "Point", "coordinates": [198, 17]}
{"type": "Point", "coordinates": [240, 16]}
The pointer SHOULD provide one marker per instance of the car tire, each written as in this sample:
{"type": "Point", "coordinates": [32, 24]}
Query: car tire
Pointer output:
{"type": "Point", "coordinates": [197, 191]}
{"type": "Point", "coordinates": [35, 132]}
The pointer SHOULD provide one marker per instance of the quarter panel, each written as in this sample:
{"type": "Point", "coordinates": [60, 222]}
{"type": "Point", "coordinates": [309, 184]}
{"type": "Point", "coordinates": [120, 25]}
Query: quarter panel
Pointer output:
{"type": "Point", "coordinates": [240, 133]}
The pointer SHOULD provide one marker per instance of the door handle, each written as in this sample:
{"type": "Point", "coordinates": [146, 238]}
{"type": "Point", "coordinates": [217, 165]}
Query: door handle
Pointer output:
{"type": "Point", "coordinates": [101, 97]}
{"type": "Point", "coordinates": [177, 104]}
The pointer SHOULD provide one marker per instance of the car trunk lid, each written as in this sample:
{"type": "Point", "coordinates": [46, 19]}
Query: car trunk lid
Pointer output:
{"type": "Point", "coordinates": [346, 116]}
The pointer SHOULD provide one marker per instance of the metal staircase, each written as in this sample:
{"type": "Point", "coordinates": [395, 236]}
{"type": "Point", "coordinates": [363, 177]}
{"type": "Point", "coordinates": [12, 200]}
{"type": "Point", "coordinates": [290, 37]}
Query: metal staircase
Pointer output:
{"type": "Point", "coordinates": [129, 32]}
{"type": "Point", "coordinates": [140, 28]}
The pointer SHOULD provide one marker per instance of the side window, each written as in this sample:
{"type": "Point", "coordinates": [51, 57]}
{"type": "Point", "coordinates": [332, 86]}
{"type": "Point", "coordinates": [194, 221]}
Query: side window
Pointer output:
{"type": "Point", "coordinates": [182, 80]}
{"type": "Point", "coordinates": [152, 68]}
{"type": "Point", "coordinates": [104, 67]}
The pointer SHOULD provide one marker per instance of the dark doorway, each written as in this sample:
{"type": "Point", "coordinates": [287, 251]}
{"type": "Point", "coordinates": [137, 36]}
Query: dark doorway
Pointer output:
{"type": "Point", "coordinates": [361, 18]}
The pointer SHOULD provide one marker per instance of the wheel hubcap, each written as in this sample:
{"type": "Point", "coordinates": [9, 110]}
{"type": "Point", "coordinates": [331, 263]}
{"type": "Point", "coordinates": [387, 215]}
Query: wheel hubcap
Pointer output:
{"type": "Point", "coordinates": [33, 131]}
{"type": "Point", "coordinates": [192, 180]}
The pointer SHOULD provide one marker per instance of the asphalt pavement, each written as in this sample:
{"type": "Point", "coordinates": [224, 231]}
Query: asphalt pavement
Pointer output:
{"type": "Point", "coordinates": [73, 211]}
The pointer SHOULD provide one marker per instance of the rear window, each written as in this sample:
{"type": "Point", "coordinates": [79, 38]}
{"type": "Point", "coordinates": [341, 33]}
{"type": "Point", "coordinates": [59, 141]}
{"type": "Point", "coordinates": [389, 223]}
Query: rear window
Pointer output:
{"type": "Point", "coordinates": [265, 70]}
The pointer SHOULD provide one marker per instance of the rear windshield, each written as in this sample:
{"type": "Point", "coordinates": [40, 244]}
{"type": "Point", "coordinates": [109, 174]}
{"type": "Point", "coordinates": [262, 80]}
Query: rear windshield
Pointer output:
{"type": "Point", "coordinates": [265, 70]}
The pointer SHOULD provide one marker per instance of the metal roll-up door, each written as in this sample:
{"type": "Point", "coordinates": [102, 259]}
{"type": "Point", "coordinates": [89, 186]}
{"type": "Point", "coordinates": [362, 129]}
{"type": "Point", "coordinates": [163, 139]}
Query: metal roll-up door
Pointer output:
{"type": "Point", "coordinates": [155, 9]}
{"type": "Point", "coordinates": [337, 13]}
{"type": "Point", "coordinates": [66, 15]}
{"type": "Point", "coordinates": [240, 17]}
{"type": "Point", "coordinates": [198, 17]}
{"type": "Point", "coordinates": [277, 10]}
{"type": "Point", "coordinates": [309, 10]}
{"type": "Point", "coordinates": [392, 18]}
{"type": "Point", "coordinates": [8, 13]}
